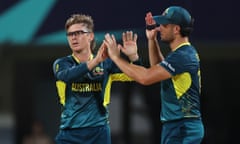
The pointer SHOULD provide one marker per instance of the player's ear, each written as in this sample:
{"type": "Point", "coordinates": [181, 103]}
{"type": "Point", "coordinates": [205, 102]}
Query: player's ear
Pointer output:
{"type": "Point", "coordinates": [91, 36]}
{"type": "Point", "coordinates": [177, 29]}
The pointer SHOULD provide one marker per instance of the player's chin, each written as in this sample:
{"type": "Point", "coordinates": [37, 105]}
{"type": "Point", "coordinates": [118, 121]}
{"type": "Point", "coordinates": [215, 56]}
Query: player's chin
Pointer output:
{"type": "Point", "coordinates": [76, 47]}
{"type": "Point", "coordinates": [165, 40]}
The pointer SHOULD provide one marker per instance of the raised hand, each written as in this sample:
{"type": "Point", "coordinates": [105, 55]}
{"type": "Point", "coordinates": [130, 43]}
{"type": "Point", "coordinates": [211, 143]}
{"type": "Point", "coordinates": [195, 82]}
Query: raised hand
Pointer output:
{"type": "Point", "coordinates": [149, 19]}
{"type": "Point", "coordinates": [112, 47]}
{"type": "Point", "coordinates": [151, 33]}
{"type": "Point", "coordinates": [102, 53]}
{"type": "Point", "coordinates": [129, 47]}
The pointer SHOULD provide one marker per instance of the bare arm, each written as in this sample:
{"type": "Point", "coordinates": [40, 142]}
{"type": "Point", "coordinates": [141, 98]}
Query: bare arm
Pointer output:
{"type": "Point", "coordinates": [101, 56]}
{"type": "Point", "coordinates": [138, 73]}
{"type": "Point", "coordinates": [155, 54]}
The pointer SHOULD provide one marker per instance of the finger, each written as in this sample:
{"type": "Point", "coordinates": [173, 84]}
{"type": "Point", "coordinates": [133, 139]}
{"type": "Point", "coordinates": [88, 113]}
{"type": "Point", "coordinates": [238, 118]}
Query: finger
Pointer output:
{"type": "Point", "coordinates": [100, 49]}
{"type": "Point", "coordinates": [147, 16]}
{"type": "Point", "coordinates": [107, 37]}
{"type": "Point", "coordinates": [102, 45]}
{"type": "Point", "coordinates": [104, 52]}
{"type": "Point", "coordinates": [128, 35]}
{"type": "Point", "coordinates": [113, 39]}
{"type": "Point", "coordinates": [121, 47]}
{"type": "Point", "coordinates": [135, 37]}
{"type": "Point", "coordinates": [149, 19]}
{"type": "Point", "coordinates": [124, 37]}
{"type": "Point", "coordinates": [106, 43]}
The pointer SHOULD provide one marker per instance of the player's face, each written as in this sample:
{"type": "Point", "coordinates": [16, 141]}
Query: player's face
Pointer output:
{"type": "Point", "coordinates": [79, 37]}
{"type": "Point", "coordinates": [167, 32]}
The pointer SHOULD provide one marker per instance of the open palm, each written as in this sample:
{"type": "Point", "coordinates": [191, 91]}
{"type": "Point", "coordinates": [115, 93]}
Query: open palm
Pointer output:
{"type": "Point", "coordinates": [129, 43]}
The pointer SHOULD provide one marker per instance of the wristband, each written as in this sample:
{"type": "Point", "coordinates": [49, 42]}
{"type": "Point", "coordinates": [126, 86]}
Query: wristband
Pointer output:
{"type": "Point", "coordinates": [151, 27]}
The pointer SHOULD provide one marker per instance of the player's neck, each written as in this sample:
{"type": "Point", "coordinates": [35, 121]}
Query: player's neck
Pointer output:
{"type": "Point", "coordinates": [83, 56]}
{"type": "Point", "coordinates": [177, 42]}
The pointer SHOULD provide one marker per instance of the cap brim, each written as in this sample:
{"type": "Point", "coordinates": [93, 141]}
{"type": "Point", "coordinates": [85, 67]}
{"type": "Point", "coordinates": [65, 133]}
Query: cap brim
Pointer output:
{"type": "Point", "coordinates": [161, 20]}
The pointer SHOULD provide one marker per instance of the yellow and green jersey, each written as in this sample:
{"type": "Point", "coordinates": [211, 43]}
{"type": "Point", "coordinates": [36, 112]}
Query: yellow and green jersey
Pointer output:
{"type": "Point", "coordinates": [83, 94]}
{"type": "Point", "coordinates": [180, 95]}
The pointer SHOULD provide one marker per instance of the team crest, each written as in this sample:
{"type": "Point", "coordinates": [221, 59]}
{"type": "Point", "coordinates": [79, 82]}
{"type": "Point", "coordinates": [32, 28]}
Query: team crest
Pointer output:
{"type": "Point", "coordinates": [98, 71]}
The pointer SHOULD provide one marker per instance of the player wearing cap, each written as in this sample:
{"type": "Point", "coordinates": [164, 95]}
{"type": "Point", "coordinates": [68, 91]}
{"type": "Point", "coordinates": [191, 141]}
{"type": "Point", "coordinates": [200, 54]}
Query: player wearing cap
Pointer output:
{"type": "Point", "coordinates": [179, 74]}
{"type": "Point", "coordinates": [83, 82]}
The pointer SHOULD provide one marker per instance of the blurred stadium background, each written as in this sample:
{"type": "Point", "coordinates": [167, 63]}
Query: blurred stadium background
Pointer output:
{"type": "Point", "coordinates": [32, 36]}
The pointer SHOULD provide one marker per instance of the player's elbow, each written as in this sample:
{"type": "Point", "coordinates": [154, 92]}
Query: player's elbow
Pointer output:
{"type": "Point", "coordinates": [144, 81]}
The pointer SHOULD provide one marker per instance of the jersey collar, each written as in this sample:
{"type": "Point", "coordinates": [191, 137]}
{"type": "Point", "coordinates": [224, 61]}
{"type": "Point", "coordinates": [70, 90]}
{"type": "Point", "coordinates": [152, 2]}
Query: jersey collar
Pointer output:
{"type": "Point", "coordinates": [182, 44]}
{"type": "Point", "coordinates": [76, 59]}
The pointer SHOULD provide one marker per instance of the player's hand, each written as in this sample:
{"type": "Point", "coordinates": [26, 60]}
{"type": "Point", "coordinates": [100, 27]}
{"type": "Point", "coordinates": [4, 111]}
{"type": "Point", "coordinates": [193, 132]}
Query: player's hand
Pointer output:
{"type": "Point", "coordinates": [112, 46]}
{"type": "Point", "coordinates": [150, 33]}
{"type": "Point", "coordinates": [149, 19]}
{"type": "Point", "coordinates": [129, 47]}
{"type": "Point", "coordinates": [102, 53]}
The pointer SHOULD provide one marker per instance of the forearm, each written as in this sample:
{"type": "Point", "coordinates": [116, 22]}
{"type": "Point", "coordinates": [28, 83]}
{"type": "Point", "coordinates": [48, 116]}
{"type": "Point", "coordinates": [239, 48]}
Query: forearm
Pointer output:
{"type": "Point", "coordinates": [133, 57]}
{"type": "Point", "coordinates": [155, 54]}
{"type": "Point", "coordinates": [92, 63]}
{"type": "Point", "coordinates": [135, 72]}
